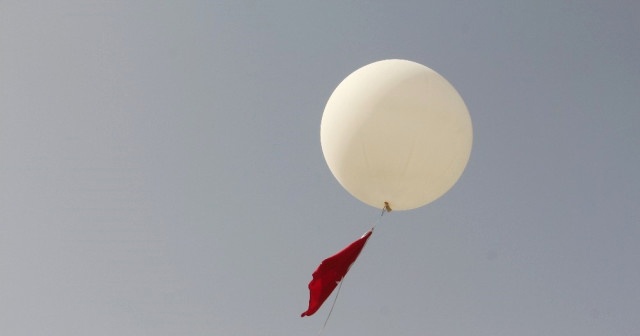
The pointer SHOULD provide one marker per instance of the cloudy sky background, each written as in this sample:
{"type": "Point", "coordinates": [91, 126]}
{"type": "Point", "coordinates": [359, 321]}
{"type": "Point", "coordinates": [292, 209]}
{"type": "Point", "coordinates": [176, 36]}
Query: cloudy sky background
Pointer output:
{"type": "Point", "coordinates": [161, 170]}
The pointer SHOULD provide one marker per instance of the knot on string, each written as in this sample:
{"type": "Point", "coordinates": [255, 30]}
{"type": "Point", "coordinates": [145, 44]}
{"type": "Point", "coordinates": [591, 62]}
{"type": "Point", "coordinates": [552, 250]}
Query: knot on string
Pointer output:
{"type": "Point", "coordinates": [386, 208]}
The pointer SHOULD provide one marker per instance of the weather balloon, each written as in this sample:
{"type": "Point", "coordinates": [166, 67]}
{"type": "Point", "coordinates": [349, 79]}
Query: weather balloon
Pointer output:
{"type": "Point", "coordinates": [396, 132]}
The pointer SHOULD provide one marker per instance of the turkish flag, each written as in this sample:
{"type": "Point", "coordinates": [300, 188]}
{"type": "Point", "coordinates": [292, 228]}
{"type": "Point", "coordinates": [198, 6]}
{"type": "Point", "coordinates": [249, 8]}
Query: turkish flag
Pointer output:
{"type": "Point", "coordinates": [331, 271]}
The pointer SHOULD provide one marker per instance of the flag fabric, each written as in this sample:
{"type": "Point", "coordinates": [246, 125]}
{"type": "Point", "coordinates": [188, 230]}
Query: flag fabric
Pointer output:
{"type": "Point", "coordinates": [331, 271]}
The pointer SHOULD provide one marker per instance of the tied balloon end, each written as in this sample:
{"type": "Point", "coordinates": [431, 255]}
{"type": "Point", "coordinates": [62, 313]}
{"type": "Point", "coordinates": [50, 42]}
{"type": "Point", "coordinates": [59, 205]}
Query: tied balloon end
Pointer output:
{"type": "Point", "coordinates": [387, 207]}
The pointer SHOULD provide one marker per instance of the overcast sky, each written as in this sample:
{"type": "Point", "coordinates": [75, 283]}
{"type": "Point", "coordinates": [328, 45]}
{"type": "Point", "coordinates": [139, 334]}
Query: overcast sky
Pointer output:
{"type": "Point", "coordinates": [161, 170]}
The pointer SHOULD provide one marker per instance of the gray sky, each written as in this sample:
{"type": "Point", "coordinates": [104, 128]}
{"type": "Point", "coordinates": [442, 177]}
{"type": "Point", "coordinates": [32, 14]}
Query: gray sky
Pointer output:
{"type": "Point", "coordinates": [161, 170]}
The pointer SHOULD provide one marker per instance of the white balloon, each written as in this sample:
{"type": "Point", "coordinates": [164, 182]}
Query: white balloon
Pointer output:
{"type": "Point", "coordinates": [396, 131]}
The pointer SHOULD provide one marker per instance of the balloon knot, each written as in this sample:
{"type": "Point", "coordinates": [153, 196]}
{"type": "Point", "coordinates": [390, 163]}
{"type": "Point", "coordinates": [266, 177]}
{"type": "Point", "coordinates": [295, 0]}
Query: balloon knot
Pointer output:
{"type": "Point", "coordinates": [387, 208]}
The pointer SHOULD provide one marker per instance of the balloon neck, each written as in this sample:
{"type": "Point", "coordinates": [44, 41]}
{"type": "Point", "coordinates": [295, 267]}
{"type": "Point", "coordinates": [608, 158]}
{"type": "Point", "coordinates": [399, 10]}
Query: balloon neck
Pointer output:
{"type": "Point", "coordinates": [387, 208]}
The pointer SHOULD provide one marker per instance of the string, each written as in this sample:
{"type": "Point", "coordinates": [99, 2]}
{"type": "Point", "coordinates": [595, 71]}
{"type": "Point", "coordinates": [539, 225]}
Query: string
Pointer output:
{"type": "Point", "coordinates": [335, 299]}
{"type": "Point", "coordinates": [385, 208]}
{"type": "Point", "coordinates": [332, 305]}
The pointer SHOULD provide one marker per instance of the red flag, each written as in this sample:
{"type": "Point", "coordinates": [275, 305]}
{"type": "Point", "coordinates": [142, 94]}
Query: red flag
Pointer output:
{"type": "Point", "coordinates": [331, 271]}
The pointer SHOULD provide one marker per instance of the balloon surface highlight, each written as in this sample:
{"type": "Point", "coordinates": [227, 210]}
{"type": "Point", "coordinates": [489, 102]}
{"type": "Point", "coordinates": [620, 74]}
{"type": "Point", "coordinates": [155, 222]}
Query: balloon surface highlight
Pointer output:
{"type": "Point", "coordinates": [396, 131]}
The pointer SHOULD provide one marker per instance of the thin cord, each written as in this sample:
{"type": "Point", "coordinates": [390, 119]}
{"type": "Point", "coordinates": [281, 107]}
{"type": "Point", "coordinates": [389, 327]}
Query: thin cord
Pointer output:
{"type": "Point", "coordinates": [385, 208]}
{"type": "Point", "coordinates": [332, 305]}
